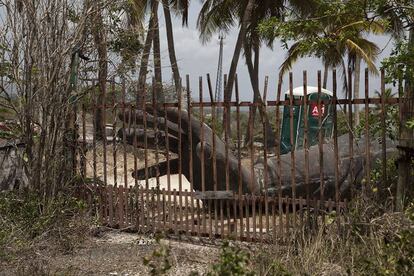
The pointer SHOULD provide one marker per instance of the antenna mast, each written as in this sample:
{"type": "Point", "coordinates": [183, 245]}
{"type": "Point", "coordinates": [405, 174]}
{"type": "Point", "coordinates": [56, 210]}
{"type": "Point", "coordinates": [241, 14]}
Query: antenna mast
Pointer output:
{"type": "Point", "coordinates": [219, 86]}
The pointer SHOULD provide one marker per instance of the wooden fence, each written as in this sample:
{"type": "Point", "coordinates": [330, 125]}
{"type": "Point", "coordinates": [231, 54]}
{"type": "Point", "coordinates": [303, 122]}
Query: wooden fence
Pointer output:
{"type": "Point", "coordinates": [178, 168]}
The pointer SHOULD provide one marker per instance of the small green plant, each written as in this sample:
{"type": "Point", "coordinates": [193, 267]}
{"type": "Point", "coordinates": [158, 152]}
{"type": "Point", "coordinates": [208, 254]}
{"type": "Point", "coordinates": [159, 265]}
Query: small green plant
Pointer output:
{"type": "Point", "coordinates": [159, 262]}
{"type": "Point", "coordinates": [233, 261]}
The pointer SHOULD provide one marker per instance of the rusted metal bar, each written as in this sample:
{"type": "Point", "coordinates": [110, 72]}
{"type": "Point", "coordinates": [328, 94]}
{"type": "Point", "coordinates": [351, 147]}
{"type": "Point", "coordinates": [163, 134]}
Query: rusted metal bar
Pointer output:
{"type": "Point", "coordinates": [156, 135]}
{"type": "Point", "coordinates": [213, 118]}
{"type": "Point", "coordinates": [320, 141]}
{"type": "Point", "coordinates": [351, 133]}
{"type": "Point", "coordinates": [278, 163]}
{"type": "Point", "coordinates": [203, 173]}
{"type": "Point", "coordinates": [367, 140]}
{"type": "Point", "coordinates": [124, 145]}
{"type": "Point", "coordinates": [292, 143]}
{"type": "Point", "coordinates": [190, 148]}
{"type": "Point", "coordinates": [336, 150]}
{"type": "Point", "coordinates": [305, 139]}
{"type": "Point", "coordinates": [94, 167]}
{"type": "Point", "coordinates": [252, 177]}
{"type": "Point", "coordinates": [240, 188]}
{"type": "Point", "coordinates": [383, 128]}
{"type": "Point", "coordinates": [84, 148]}
{"type": "Point", "coordinates": [265, 173]}
{"type": "Point", "coordinates": [167, 156]}
{"type": "Point", "coordinates": [104, 141]}
{"type": "Point", "coordinates": [114, 125]}
{"type": "Point", "coordinates": [227, 112]}
{"type": "Point", "coordinates": [180, 157]}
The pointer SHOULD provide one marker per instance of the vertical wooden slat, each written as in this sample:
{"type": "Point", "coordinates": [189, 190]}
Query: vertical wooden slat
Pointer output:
{"type": "Point", "coordinates": [222, 219]}
{"type": "Point", "coordinates": [186, 212]}
{"type": "Point", "coordinates": [153, 209]}
{"type": "Point", "coordinates": [247, 205]}
{"type": "Point", "coordinates": [351, 133]}
{"type": "Point", "coordinates": [110, 205]}
{"type": "Point", "coordinates": [175, 226]}
{"type": "Point", "coordinates": [159, 214]}
{"type": "Point", "coordinates": [210, 228]}
{"type": "Point", "coordinates": [165, 210]}
{"type": "Point", "coordinates": [142, 208]}
{"type": "Point", "coordinates": [120, 193]}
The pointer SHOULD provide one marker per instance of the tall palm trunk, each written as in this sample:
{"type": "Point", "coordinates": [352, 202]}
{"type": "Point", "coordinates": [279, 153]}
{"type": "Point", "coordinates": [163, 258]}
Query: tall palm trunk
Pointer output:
{"type": "Point", "coordinates": [254, 79]}
{"type": "Point", "coordinates": [157, 57]}
{"type": "Point", "coordinates": [170, 42]}
{"type": "Point", "coordinates": [357, 80]}
{"type": "Point", "coordinates": [100, 41]}
{"type": "Point", "coordinates": [228, 90]}
{"type": "Point", "coordinates": [325, 76]}
{"type": "Point", "coordinates": [143, 69]}
{"type": "Point", "coordinates": [406, 143]}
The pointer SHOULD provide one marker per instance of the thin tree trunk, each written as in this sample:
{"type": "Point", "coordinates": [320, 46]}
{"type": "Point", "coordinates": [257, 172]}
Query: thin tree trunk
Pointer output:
{"type": "Point", "coordinates": [99, 36]}
{"type": "Point", "coordinates": [406, 143]}
{"type": "Point", "coordinates": [357, 80]}
{"type": "Point", "coordinates": [157, 58]}
{"type": "Point", "coordinates": [171, 47]}
{"type": "Point", "coordinates": [254, 79]}
{"type": "Point", "coordinates": [228, 90]}
{"type": "Point", "coordinates": [143, 69]}
{"type": "Point", "coordinates": [325, 76]}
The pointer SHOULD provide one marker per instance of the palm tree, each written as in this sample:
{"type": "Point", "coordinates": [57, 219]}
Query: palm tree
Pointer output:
{"type": "Point", "coordinates": [152, 39]}
{"type": "Point", "coordinates": [336, 37]}
{"type": "Point", "coordinates": [216, 16]}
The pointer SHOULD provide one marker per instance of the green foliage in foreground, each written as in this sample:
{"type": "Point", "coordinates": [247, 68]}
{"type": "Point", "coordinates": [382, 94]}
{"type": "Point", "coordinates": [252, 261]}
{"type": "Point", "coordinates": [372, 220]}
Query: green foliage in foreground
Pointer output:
{"type": "Point", "coordinates": [27, 217]}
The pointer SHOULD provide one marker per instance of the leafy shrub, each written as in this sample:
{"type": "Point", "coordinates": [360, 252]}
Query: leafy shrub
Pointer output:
{"type": "Point", "coordinates": [159, 262]}
{"type": "Point", "coordinates": [233, 261]}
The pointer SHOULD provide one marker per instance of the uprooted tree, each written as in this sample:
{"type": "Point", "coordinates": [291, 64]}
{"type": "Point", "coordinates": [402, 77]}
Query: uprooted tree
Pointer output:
{"type": "Point", "coordinates": [213, 174]}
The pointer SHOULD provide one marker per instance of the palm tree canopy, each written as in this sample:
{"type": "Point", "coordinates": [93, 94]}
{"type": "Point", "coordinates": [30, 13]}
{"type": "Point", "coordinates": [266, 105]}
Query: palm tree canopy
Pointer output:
{"type": "Point", "coordinates": [331, 31]}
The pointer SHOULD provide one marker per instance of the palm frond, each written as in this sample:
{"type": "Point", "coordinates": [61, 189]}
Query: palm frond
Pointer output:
{"type": "Point", "coordinates": [365, 53]}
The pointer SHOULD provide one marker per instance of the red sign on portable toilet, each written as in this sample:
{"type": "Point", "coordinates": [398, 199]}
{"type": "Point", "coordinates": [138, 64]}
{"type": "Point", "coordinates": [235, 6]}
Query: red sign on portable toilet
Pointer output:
{"type": "Point", "coordinates": [315, 110]}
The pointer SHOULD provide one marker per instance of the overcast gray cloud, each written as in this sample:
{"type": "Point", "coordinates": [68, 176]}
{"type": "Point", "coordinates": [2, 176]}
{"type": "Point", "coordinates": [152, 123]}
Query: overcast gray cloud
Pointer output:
{"type": "Point", "coordinates": [197, 59]}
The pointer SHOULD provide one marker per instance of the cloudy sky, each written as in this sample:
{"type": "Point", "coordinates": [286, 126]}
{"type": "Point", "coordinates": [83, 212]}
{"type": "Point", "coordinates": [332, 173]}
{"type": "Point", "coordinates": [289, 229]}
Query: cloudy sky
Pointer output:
{"type": "Point", "coordinates": [197, 59]}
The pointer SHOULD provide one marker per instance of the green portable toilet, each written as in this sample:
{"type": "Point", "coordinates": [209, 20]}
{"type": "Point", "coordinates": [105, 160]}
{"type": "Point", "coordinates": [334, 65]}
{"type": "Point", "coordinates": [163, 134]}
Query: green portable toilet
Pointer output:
{"type": "Point", "coordinates": [299, 114]}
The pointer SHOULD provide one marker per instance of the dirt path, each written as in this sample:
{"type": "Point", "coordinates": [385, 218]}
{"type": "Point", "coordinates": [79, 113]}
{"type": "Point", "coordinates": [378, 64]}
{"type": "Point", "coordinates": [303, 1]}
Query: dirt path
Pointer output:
{"type": "Point", "coordinates": [115, 253]}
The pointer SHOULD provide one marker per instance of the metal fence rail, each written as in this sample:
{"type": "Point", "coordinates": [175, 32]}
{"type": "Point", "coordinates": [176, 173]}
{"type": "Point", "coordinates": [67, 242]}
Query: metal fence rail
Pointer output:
{"type": "Point", "coordinates": [175, 167]}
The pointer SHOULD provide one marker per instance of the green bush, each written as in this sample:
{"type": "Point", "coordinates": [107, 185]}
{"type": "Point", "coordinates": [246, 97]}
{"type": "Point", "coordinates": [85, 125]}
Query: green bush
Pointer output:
{"type": "Point", "coordinates": [25, 217]}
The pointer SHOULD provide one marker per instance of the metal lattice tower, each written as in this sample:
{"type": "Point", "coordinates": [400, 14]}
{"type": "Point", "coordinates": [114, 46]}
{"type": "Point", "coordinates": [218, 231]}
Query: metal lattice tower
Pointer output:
{"type": "Point", "coordinates": [219, 80]}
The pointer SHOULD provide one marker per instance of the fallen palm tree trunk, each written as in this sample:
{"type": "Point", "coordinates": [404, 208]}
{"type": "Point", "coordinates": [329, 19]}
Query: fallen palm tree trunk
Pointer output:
{"type": "Point", "coordinates": [202, 141]}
